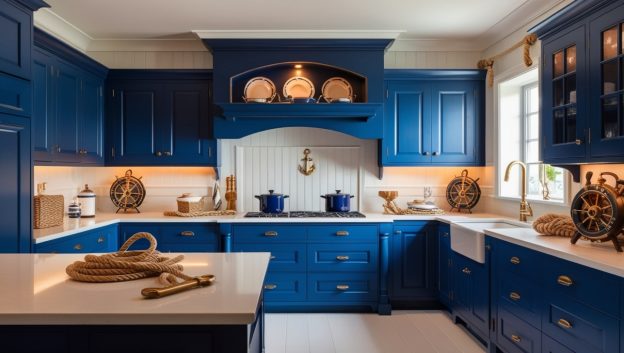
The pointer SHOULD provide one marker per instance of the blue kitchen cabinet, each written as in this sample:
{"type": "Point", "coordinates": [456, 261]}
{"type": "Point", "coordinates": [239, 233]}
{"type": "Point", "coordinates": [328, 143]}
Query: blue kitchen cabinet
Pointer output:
{"type": "Point", "coordinates": [15, 33]}
{"type": "Point", "coordinates": [160, 118]}
{"type": "Point", "coordinates": [43, 122]}
{"type": "Point", "coordinates": [433, 117]}
{"type": "Point", "coordinates": [67, 99]}
{"type": "Point", "coordinates": [445, 266]}
{"type": "Point", "coordinates": [413, 265]}
{"type": "Point", "coordinates": [15, 173]}
{"type": "Point", "coordinates": [101, 240]}
{"type": "Point", "coordinates": [471, 294]}
{"type": "Point", "coordinates": [174, 237]}
{"type": "Point", "coordinates": [91, 123]}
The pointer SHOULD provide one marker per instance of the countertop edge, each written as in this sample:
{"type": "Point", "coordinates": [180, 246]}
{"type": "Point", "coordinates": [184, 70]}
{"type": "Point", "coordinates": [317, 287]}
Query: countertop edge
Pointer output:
{"type": "Point", "coordinates": [128, 319]}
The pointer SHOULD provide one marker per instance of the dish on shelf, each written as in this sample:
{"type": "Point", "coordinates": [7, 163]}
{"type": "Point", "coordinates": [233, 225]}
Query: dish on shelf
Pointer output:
{"type": "Point", "coordinates": [259, 90]}
{"type": "Point", "coordinates": [337, 90]}
{"type": "Point", "coordinates": [298, 87]}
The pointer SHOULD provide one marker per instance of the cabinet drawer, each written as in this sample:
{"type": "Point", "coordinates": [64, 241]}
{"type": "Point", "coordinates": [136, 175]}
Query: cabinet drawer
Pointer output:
{"type": "Point", "coordinates": [285, 287]}
{"type": "Point", "coordinates": [521, 297]}
{"type": "Point", "coordinates": [126, 231]}
{"type": "Point", "coordinates": [101, 240]}
{"type": "Point", "coordinates": [95, 241]}
{"type": "Point", "coordinates": [549, 345]}
{"type": "Point", "coordinates": [518, 260]}
{"type": "Point", "coordinates": [579, 326]}
{"type": "Point", "coordinates": [15, 95]}
{"type": "Point", "coordinates": [515, 335]}
{"type": "Point", "coordinates": [342, 257]}
{"type": "Point", "coordinates": [352, 287]}
{"type": "Point", "coordinates": [343, 233]}
{"type": "Point", "coordinates": [580, 283]}
{"type": "Point", "coordinates": [269, 233]}
{"type": "Point", "coordinates": [190, 247]}
{"type": "Point", "coordinates": [284, 257]}
{"type": "Point", "coordinates": [188, 233]}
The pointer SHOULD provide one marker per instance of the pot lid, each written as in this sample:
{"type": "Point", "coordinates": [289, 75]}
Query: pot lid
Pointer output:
{"type": "Point", "coordinates": [337, 194]}
{"type": "Point", "coordinates": [272, 193]}
{"type": "Point", "coordinates": [86, 192]}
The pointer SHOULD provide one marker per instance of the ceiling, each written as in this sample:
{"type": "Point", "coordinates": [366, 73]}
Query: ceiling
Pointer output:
{"type": "Point", "coordinates": [418, 19]}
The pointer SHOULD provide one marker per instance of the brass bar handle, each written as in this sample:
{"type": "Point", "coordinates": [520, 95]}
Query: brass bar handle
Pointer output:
{"type": "Point", "coordinates": [565, 281]}
{"type": "Point", "coordinates": [578, 142]}
{"type": "Point", "coordinates": [466, 270]}
{"type": "Point", "coordinates": [78, 247]}
{"type": "Point", "coordinates": [100, 240]}
{"type": "Point", "coordinates": [514, 296]}
{"type": "Point", "coordinates": [196, 282]}
{"type": "Point", "coordinates": [270, 233]}
{"type": "Point", "coordinates": [187, 233]}
{"type": "Point", "coordinates": [516, 338]}
{"type": "Point", "coordinates": [342, 257]}
{"type": "Point", "coordinates": [342, 233]}
{"type": "Point", "coordinates": [515, 260]}
{"type": "Point", "coordinates": [342, 287]}
{"type": "Point", "coordinates": [564, 323]}
{"type": "Point", "coordinates": [270, 286]}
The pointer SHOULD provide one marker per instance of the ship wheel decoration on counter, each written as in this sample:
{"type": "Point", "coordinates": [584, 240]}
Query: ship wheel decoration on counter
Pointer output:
{"type": "Point", "coordinates": [463, 192]}
{"type": "Point", "coordinates": [598, 210]}
{"type": "Point", "coordinates": [127, 192]}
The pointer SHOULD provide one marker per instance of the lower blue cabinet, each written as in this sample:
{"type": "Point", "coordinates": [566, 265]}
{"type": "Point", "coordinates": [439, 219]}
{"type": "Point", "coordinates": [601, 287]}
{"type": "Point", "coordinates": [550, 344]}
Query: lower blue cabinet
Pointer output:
{"type": "Point", "coordinates": [355, 288]}
{"type": "Point", "coordinates": [445, 266]}
{"type": "Point", "coordinates": [549, 345]}
{"type": "Point", "coordinates": [289, 287]}
{"type": "Point", "coordinates": [99, 240]}
{"type": "Point", "coordinates": [284, 257]}
{"type": "Point", "coordinates": [471, 301]}
{"type": "Point", "coordinates": [174, 237]}
{"type": "Point", "coordinates": [514, 335]}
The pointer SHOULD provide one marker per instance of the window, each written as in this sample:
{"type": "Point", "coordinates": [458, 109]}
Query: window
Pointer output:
{"type": "Point", "coordinates": [519, 139]}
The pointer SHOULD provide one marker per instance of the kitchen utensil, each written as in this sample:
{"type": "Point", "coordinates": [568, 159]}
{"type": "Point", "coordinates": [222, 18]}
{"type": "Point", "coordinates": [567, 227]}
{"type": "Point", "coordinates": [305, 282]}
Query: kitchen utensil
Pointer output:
{"type": "Point", "coordinates": [337, 90]}
{"type": "Point", "coordinates": [598, 210]}
{"type": "Point", "coordinates": [259, 90]}
{"type": "Point", "coordinates": [230, 193]}
{"type": "Point", "coordinates": [463, 192]}
{"type": "Point", "coordinates": [337, 202]}
{"type": "Point", "coordinates": [86, 198]}
{"type": "Point", "coordinates": [188, 203]}
{"type": "Point", "coordinates": [127, 192]}
{"type": "Point", "coordinates": [216, 195]}
{"type": "Point", "coordinates": [298, 87]}
{"type": "Point", "coordinates": [47, 211]}
{"type": "Point", "coordinates": [73, 210]}
{"type": "Point", "coordinates": [196, 282]}
{"type": "Point", "coordinates": [271, 202]}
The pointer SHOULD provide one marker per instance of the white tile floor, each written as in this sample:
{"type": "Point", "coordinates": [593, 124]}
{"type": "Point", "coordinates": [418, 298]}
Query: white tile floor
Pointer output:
{"type": "Point", "coordinates": [402, 332]}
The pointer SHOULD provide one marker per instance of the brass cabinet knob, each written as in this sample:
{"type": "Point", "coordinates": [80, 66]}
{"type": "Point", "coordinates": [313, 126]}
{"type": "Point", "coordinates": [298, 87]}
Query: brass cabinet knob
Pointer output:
{"type": "Point", "coordinates": [435, 154]}
{"type": "Point", "coordinates": [516, 338]}
{"type": "Point", "coordinates": [514, 296]}
{"type": "Point", "coordinates": [342, 257]}
{"type": "Point", "coordinates": [100, 240]}
{"type": "Point", "coordinates": [515, 260]}
{"type": "Point", "coordinates": [158, 154]}
{"type": "Point", "coordinates": [270, 233]}
{"type": "Point", "coordinates": [466, 270]}
{"type": "Point", "coordinates": [564, 323]}
{"type": "Point", "coordinates": [578, 142]}
{"type": "Point", "coordinates": [187, 233]}
{"type": "Point", "coordinates": [425, 153]}
{"type": "Point", "coordinates": [78, 247]}
{"type": "Point", "coordinates": [342, 287]}
{"type": "Point", "coordinates": [342, 233]}
{"type": "Point", "coordinates": [565, 281]}
{"type": "Point", "coordinates": [167, 153]}
{"type": "Point", "coordinates": [272, 257]}
{"type": "Point", "coordinates": [270, 286]}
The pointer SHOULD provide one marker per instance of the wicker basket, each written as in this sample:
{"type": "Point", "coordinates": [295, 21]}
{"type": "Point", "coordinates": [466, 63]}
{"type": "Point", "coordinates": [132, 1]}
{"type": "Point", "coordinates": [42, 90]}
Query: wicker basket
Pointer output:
{"type": "Point", "coordinates": [48, 211]}
{"type": "Point", "coordinates": [189, 204]}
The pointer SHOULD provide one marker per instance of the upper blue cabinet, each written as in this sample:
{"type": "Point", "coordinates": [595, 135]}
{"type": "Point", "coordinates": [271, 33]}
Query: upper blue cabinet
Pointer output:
{"type": "Point", "coordinates": [160, 117]}
{"type": "Point", "coordinates": [433, 117]}
{"type": "Point", "coordinates": [68, 108]}
{"type": "Point", "coordinates": [582, 84]}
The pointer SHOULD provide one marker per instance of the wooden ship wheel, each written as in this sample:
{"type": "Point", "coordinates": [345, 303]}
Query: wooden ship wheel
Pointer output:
{"type": "Point", "coordinates": [463, 192]}
{"type": "Point", "coordinates": [598, 210]}
{"type": "Point", "coordinates": [127, 192]}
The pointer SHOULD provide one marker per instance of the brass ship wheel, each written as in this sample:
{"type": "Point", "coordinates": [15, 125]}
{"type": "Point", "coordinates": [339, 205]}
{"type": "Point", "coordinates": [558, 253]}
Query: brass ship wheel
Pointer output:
{"type": "Point", "coordinates": [127, 192]}
{"type": "Point", "coordinates": [463, 192]}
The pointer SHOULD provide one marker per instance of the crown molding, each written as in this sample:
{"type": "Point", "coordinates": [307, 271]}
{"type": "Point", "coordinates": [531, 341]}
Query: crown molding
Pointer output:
{"type": "Point", "coordinates": [453, 45]}
{"type": "Point", "coordinates": [57, 26]}
{"type": "Point", "coordinates": [298, 34]}
{"type": "Point", "coordinates": [151, 45]}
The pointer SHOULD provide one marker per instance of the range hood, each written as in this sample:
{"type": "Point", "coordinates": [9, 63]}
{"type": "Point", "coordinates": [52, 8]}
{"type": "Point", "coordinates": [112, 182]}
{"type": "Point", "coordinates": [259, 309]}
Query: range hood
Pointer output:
{"type": "Point", "coordinates": [359, 61]}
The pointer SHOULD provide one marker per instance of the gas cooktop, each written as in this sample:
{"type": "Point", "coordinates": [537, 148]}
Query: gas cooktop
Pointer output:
{"type": "Point", "coordinates": [305, 214]}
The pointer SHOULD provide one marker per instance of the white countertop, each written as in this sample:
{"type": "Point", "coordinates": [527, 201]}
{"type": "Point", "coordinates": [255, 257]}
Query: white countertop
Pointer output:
{"type": "Point", "coordinates": [36, 290]}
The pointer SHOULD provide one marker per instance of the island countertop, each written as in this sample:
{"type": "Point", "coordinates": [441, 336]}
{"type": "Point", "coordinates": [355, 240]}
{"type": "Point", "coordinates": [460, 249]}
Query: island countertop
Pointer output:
{"type": "Point", "coordinates": [37, 291]}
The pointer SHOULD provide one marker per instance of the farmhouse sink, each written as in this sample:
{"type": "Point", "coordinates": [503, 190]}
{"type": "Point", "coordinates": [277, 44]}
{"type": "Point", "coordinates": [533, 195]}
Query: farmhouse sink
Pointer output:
{"type": "Point", "coordinates": [468, 238]}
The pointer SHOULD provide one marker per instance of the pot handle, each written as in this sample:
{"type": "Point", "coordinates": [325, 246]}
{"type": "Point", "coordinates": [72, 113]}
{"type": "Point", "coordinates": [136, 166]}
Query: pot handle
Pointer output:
{"type": "Point", "coordinates": [258, 197]}
{"type": "Point", "coordinates": [323, 196]}
{"type": "Point", "coordinates": [352, 196]}
{"type": "Point", "coordinates": [286, 196]}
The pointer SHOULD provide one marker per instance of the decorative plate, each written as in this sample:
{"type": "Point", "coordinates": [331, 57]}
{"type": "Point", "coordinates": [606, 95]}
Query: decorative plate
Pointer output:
{"type": "Point", "coordinates": [259, 90]}
{"type": "Point", "coordinates": [337, 89]}
{"type": "Point", "coordinates": [298, 87]}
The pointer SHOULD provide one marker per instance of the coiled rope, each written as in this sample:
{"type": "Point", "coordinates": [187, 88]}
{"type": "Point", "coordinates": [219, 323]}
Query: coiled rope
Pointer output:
{"type": "Point", "coordinates": [554, 224]}
{"type": "Point", "coordinates": [125, 265]}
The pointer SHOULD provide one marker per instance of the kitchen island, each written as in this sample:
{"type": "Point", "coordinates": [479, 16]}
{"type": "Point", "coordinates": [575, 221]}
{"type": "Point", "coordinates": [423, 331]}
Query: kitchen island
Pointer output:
{"type": "Point", "coordinates": [41, 309]}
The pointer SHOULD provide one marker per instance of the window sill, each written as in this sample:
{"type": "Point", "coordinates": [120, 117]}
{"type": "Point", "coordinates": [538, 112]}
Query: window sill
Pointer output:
{"type": "Point", "coordinates": [534, 201]}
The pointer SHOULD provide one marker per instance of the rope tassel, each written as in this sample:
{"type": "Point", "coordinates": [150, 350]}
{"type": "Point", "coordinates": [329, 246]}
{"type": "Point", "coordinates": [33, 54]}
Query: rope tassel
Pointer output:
{"type": "Point", "coordinates": [526, 43]}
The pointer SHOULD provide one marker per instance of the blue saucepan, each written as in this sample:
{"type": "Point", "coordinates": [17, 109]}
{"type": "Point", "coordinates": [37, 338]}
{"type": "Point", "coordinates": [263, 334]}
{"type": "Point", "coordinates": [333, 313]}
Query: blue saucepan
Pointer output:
{"type": "Point", "coordinates": [271, 202]}
{"type": "Point", "coordinates": [337, 202]}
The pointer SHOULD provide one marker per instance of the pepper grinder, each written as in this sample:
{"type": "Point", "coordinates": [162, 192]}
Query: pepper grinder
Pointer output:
{"type": "Point", "coordinates": [230, 193]}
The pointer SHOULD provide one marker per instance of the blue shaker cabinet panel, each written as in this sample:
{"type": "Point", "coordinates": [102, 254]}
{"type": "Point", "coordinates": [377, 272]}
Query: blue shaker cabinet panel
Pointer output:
{"type": "Point", "coordinates": [15, 35]}
{"type": "Point", "coordinates": [99, 240]}
{"type": "Point", "coordinates": [15, 173]}
{"type": "Point", "coordinates": [67, 101]}
{"type": "Point", "coordinates": [15, 95]}
{"type": "Point", "coordinates": [91, 124]}
{"type": "Point", "coordinates": [471, 294]}
{"type": "Point", "coordinates": [43, 122]}
{"type": "Point", "coordinates": [445, 265]}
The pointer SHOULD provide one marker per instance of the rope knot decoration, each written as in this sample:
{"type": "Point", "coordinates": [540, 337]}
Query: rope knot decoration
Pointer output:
{"type": "Point", "coordinates": [526, 43]}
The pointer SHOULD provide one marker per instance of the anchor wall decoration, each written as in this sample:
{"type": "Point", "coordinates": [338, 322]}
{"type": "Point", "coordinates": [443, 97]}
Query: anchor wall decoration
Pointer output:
{"type": "Point", "coordinates": [308, 166]}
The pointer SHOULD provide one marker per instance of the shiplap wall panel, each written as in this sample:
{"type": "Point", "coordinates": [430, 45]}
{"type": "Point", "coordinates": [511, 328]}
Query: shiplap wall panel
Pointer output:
{"type": "Point", "coordinates": [431, 59]}
{"type": "Point", "coordinates": [262, 168]}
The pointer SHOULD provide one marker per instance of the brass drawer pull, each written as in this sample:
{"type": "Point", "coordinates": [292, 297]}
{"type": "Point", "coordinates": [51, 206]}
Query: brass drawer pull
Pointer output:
{"type": "Point", "coordinates": [187, 233]}
{"type": "Point", "coordinates": [270, 233]}
{"type": "Point", "coordinates": [342, 233]}
{"type": "Point", "coordinates": [466, 270]}
{"type": "Point", "coordinates": [100, 240]}
{"type": "Point", "coordinates": [270, 286]}
{"type": "Point", "coordinates": [342, 287]}
{"type": "Point", "coordinates": [272, 257]}
{"type": "Point", "coordinates": [342, 257]}
{"type": "Point", "coordinates": [516, 338]}
{"type": "Point", "coordinates": [564, 323]}
{"type": "Point", "coordinates": [565, 281]}
{"type": "Point", "coordinates": [515, 260]}
{"type": "Point", "coordinates": [514, 296]}
{"type": "Point", "coordinates": [78, 247]}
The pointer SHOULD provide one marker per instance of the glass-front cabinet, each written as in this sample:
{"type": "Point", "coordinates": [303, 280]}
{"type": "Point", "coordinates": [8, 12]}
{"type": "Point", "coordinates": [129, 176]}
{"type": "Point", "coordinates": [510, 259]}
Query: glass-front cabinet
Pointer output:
{"type": "Point", "coordinates": [607, 83]}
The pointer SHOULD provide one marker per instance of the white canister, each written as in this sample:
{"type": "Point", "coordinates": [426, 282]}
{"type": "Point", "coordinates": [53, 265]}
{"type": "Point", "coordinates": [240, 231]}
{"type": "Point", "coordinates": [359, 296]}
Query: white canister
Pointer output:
{"type": "Point", "coordinates": [87, 202]}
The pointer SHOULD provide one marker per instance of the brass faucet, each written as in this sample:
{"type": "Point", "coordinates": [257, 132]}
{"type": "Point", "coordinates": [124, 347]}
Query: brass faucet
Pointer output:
{"type": "Point", "coordinates": [525, 207]}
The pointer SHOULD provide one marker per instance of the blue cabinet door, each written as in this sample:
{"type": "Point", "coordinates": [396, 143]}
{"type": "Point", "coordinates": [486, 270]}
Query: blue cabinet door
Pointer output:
{"type": "Point", "coordinates": [15, 173]}
{"type": "Point", "coordinates": [43, 116]}
{"type": "Point", "coordinates": [91, 122]}
{"type": "Point", "coordinates": [445, 266]}
{"type": "Point", "coordinates": [407, 128]}
{"type": "Point", "coordinates": [456, 117]}
{"type": "Point", "coordinates": [413, 263]}
{"type": "Point", "coordinates": [564, 98]}
{"type": "Point", "coordinates": [472, 293]}
{"type": "Point", "coordinates": [67, 112]}
{"type": "Point", "coordinates": [15, 36]}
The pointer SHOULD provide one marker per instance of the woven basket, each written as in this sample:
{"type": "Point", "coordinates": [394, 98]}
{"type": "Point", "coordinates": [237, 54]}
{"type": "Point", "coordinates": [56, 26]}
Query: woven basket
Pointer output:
{"type": "Point", "coordinates": [48, 211]}
{"type": "Point", "coordinates": [189, 207]}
